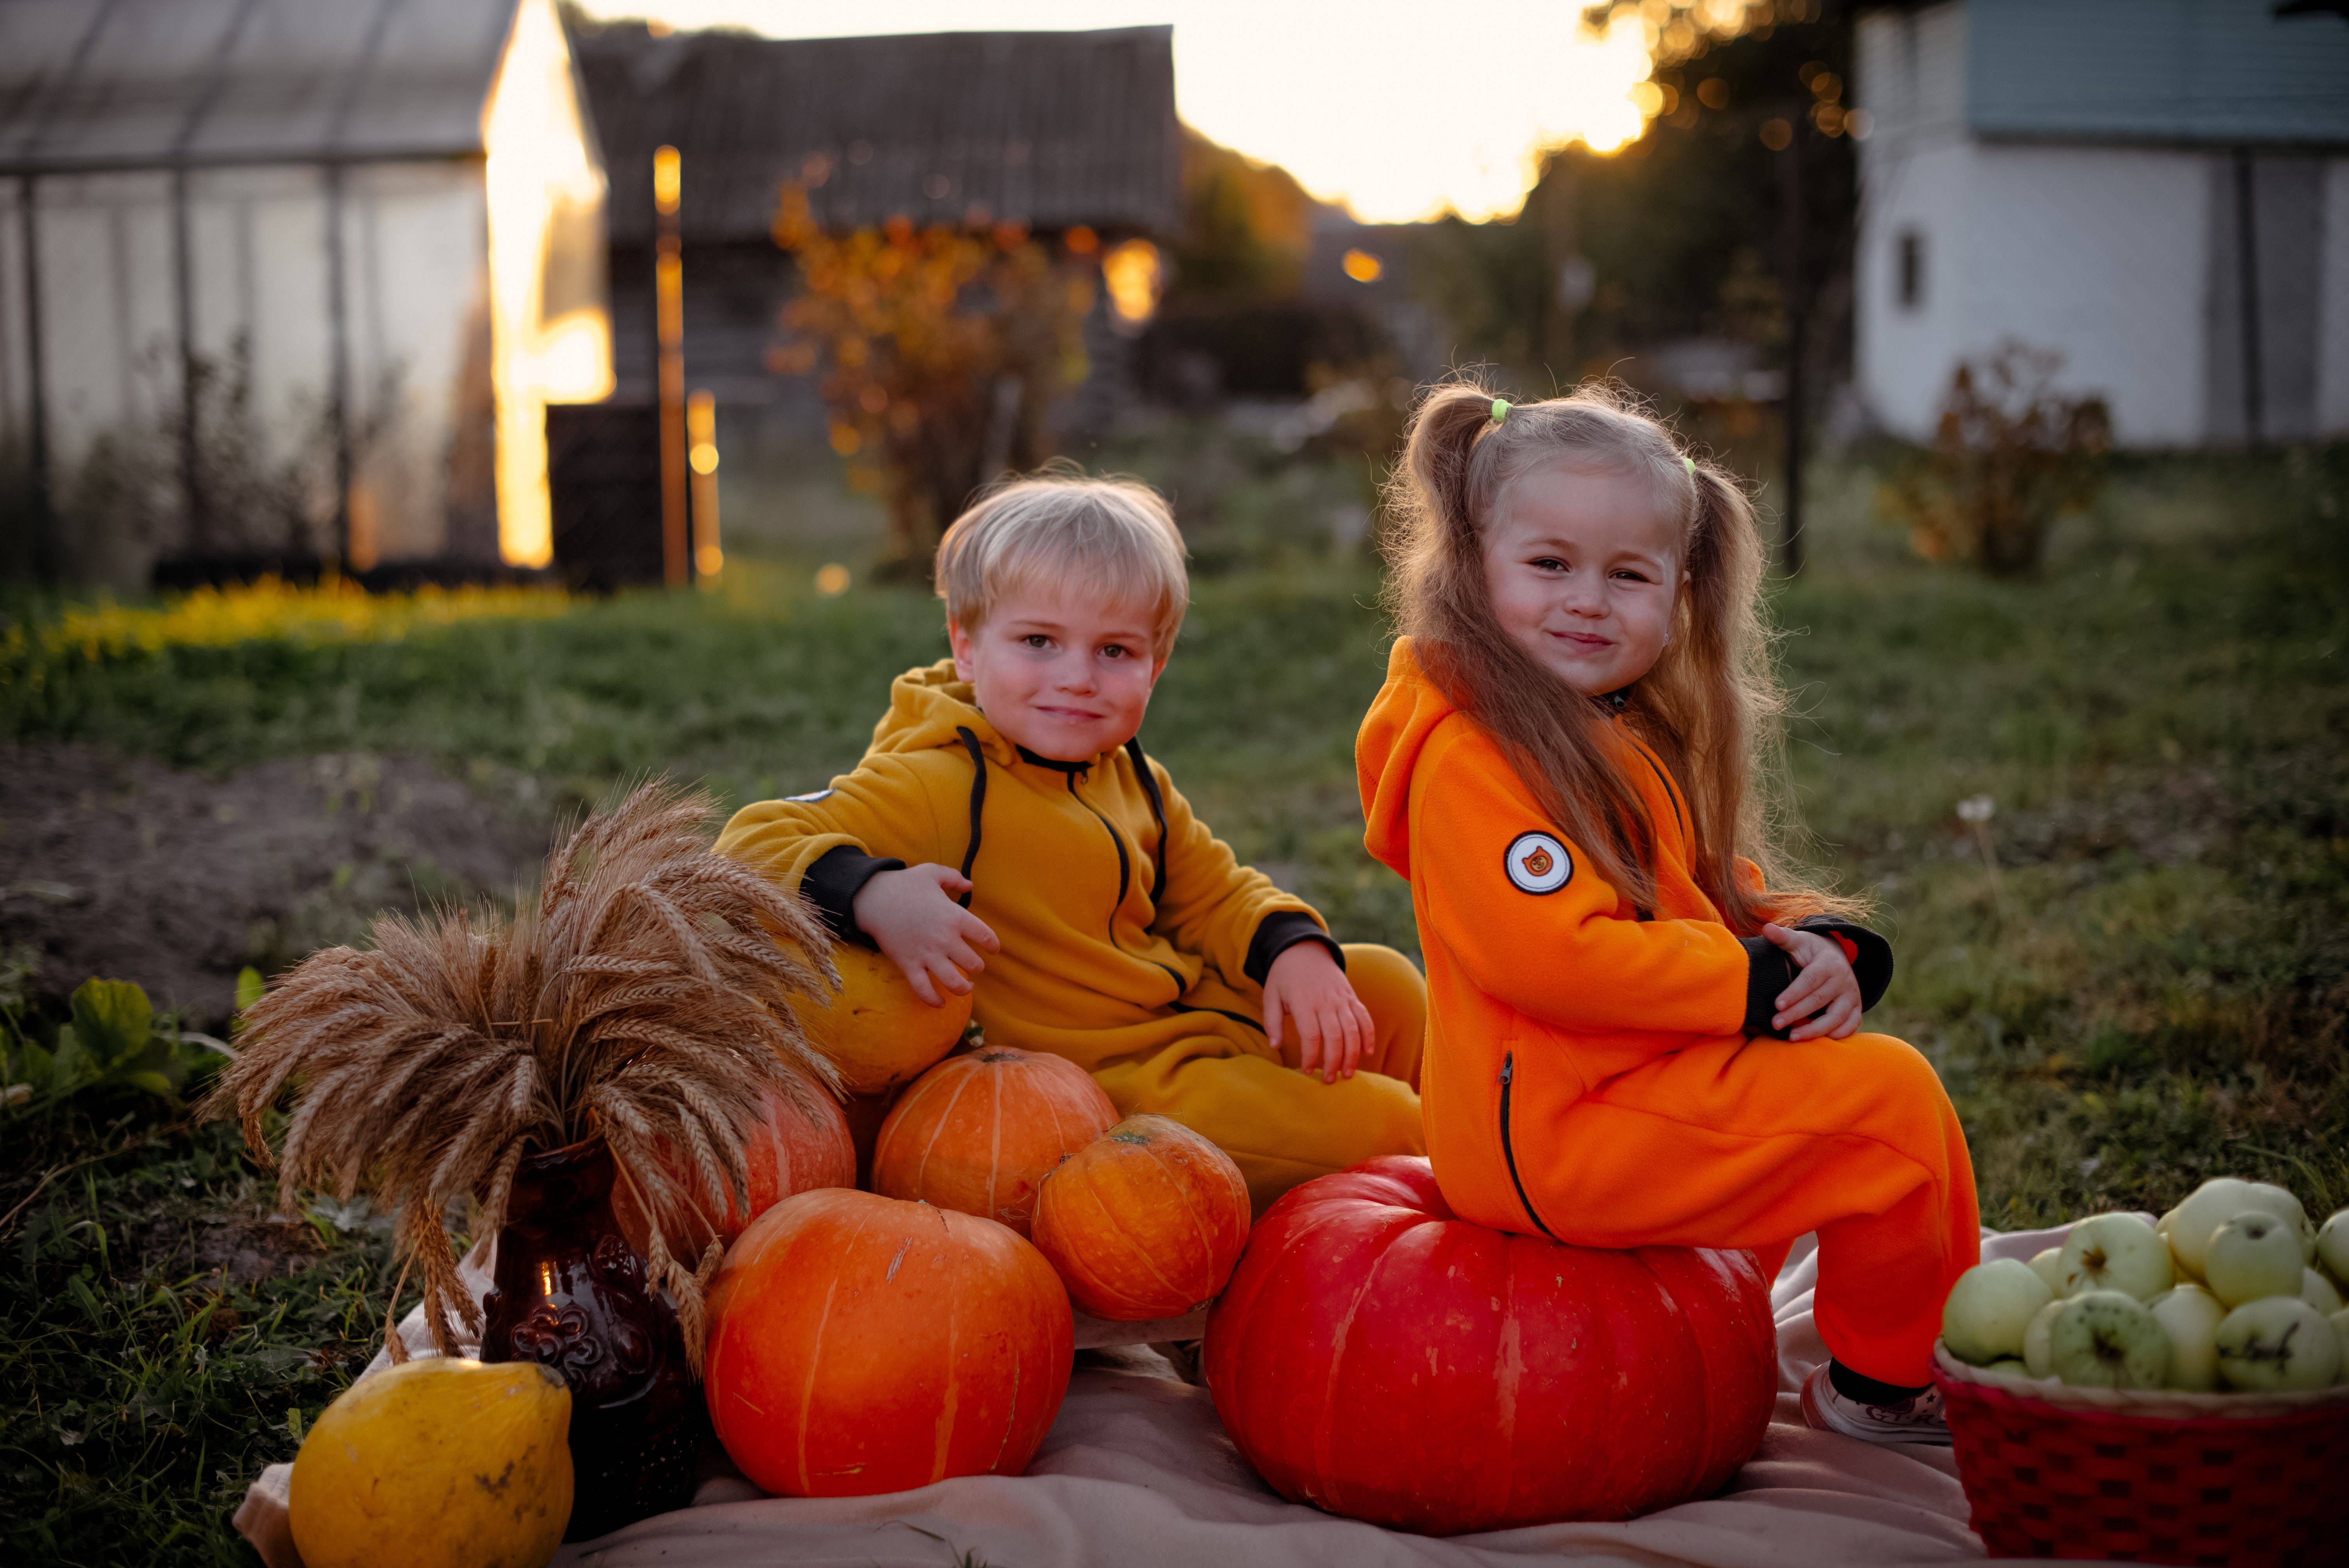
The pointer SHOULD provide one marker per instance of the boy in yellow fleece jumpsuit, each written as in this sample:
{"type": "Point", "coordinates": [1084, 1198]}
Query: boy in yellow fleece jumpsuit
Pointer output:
{"type": "Point", "coordinates": [1005, 834]}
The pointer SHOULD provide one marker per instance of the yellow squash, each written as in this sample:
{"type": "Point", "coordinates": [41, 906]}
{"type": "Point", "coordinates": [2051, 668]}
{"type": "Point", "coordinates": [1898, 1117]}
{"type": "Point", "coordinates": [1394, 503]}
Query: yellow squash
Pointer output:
{"type": "Point", "coordinates": [439, 1463]}
{"type": "Point", "coordinates": [879, 1034]}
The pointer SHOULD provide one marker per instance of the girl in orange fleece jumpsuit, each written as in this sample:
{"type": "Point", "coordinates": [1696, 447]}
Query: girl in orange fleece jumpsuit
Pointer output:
{"type": "Point", "coordinates": [1625, 1045]}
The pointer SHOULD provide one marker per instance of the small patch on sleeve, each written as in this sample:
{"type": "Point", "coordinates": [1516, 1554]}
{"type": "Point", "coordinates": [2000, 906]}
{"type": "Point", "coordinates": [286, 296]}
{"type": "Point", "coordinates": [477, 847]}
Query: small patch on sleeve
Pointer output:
{"type": "Point", "coordinates": [826, 793]}
{"type": "Point", "coordinates": [1538, 863]}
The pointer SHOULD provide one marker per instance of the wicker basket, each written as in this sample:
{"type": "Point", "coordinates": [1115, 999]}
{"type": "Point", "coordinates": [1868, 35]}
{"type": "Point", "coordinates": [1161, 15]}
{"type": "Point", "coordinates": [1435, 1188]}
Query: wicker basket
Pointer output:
{"type": "Point", "coordinates": [2218, 1479]}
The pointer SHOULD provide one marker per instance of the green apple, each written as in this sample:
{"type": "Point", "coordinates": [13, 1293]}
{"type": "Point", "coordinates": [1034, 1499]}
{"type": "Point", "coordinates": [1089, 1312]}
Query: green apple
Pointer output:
{"type": "Point", "coordinates": [2191, 1316]}
{"type": "Point", "coordinates": [2318, 1291]}
{"type": "Point", "coordinates": [2207, 1207]}
{"type": "Point", "coordinates": [2039, 1341]}
{"type": "Point", "coordinates": [2340, 1321]}
{"type": "Point", "coordinates": [1989, 1308]}
{"type": "Point", "coordinates": [2047, 1263]}
{"type": "Point", "coordinates": [2008, 1367]}
{"type": "Point", "coordinates": [2332, 1248]}
{"type": "Point", "coordinates": [2106, 1339]}
{"type": "Point", "coordinates": [2279, 1201]}
{"type": "Point", "coordinates": [2116, 1251]}
{"type": "Point", "coordinates": [2278, 1342]}
{"type": "Point", "coordinates": [2252, 1255]}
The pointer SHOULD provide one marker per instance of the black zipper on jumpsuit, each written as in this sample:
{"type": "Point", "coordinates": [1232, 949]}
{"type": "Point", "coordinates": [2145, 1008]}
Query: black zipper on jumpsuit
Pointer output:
{"type": "Point", "coordinates": [1509, 1151]}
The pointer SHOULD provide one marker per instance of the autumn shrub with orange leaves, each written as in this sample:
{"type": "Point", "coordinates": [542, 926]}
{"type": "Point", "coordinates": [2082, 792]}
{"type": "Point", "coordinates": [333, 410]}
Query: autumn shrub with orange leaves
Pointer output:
{"type": "Point", "coordinates": [940, 348]}
{"type": "Point", "coordinates": [2010, 455]}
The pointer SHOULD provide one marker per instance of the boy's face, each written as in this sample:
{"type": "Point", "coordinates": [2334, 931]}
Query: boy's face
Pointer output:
{"type": "Point", "coordinates": [1067, 678]}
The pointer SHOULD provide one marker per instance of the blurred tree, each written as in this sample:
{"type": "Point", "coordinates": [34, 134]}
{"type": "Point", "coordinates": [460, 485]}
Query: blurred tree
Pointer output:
{"type": "Point", "coordinates": [1247, 227]}
{"type": "Point", "coordinates": [1680, 232]}
{"type": "Point", "coordinates": [941, 349]}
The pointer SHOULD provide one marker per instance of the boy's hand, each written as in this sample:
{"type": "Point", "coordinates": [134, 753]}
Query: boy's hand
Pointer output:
{"type": "Point", "coordinates": [1826, 987]}
{"type": "Point", "coordinates": [1333, 1027]}
{"type": "Point", "coordinates": [911, 916]}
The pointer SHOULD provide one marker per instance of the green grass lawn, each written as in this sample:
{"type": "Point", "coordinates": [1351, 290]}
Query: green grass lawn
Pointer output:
{"type": "Point", "coordinates": [2135, 974]}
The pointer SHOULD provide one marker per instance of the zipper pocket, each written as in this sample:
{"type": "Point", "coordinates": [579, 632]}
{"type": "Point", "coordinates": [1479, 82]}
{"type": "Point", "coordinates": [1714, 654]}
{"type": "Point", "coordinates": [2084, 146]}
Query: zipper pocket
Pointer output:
{"type": "Point", "coordinates": [1509, 1151]}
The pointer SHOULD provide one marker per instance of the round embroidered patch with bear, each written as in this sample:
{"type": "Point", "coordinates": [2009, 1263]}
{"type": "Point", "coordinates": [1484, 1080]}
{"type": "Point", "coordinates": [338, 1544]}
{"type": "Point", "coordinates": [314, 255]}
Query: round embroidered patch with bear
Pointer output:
{"type": "Point", "coordinates": [1537, 863]}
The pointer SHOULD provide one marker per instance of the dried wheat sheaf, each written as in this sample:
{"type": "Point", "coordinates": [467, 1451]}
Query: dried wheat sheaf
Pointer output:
{"type": "Point", "coordinates": [644, 997]}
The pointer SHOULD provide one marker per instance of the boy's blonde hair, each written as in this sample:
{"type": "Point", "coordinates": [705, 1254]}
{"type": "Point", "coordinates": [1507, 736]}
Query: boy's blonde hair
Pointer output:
{"type": "Point", "coordinates": [1112, 539]}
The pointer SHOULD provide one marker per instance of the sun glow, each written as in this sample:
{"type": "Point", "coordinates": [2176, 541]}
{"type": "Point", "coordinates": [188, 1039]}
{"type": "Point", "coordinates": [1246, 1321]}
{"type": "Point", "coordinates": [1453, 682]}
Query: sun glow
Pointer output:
{"type": "Point", "coordinates": [550, 327]}
{"type": "Point", "coordinates": [1400, 110]}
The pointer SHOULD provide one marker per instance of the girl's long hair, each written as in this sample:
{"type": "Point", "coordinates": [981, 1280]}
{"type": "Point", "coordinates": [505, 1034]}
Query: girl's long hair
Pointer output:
{"type": "Point", "coordinates": [1711, 706]}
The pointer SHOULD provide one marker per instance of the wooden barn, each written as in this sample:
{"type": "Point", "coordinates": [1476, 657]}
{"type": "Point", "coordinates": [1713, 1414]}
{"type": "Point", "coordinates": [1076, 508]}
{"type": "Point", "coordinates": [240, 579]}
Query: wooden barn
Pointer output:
{"type": "Point", "coordinates": [1071, 135]}
{"type": "Point", "coordinates": [2158, 189]}
{"type": "Point", "coordinates": [290, 280]}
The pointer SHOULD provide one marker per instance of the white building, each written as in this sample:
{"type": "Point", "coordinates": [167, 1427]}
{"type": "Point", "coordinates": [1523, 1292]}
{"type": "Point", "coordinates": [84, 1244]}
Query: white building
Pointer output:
{"type": "Point", "coordinates": [2156, 189]}
{"type": "Point", "coordinates": [383, 217]}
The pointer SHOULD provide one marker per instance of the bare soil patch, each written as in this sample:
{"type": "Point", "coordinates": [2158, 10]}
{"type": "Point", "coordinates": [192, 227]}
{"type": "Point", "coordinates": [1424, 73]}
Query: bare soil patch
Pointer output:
{"type": "Point", "coordinates": [127, 868]}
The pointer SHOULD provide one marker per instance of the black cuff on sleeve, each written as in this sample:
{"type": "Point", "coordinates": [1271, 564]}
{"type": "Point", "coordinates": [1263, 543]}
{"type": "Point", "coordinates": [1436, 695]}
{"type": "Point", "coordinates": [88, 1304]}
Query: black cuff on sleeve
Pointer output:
{"type": "Point", "coordinates": [1871, 962]}
{"type": "Point", "coordinates": [832, 884]}
{"type": "Point", "coordinates": [1280, 931]}
{"type": "Point", "coordinates": [1768, 972]}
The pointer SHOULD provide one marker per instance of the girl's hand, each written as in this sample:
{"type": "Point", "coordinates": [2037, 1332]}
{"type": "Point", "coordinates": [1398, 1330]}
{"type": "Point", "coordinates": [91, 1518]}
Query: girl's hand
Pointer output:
{"type": "Point", "coordinates": [1824, 987]}
{"type": "Point", "coordinates": [1333, 1027]}
{"type": "Point", "coordinates": [911, 916]}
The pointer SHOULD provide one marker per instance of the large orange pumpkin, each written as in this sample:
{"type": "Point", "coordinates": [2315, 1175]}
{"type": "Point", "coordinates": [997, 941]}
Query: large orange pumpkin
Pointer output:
{"type": "Point", "coordinates": [797, 1145]}
{"type": "Point", "coordinates": [1145, 1222]}
{"type": "Point", "coordinates": [874, 1029]}
{"type": "Point", "coordinates": [862, 1345]}
{"type": "Point", "coordinates": [979, 1132]}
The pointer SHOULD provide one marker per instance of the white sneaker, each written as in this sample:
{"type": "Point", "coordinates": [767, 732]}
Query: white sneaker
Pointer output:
{"type": "Point", "coordinates": [1916, 1420]}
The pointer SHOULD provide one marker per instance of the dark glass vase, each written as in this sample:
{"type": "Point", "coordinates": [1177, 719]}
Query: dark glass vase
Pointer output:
{"type": "Point", "coordinates": [572, 1295]}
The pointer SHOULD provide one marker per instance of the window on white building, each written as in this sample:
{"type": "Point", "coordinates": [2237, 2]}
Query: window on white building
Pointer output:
{"type": "Point", "coordinates": [1909, 263]}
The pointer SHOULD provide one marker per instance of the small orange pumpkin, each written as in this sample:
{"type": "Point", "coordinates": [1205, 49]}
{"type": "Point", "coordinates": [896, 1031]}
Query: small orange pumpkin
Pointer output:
{"type": "Point", "coordinates": [1145, 1222]}
{"type": "Point", "coordinates": [977, 1132]}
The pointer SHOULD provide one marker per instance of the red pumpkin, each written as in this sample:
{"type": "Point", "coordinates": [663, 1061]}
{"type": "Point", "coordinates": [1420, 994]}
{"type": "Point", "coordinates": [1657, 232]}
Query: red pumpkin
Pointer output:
{"type": "Point", "coordinates": [1145, 1222]}
{"type": "Point", "coordinates": [796, 1146]}
{"type": "Point", "coordinates": [862, 1345]}
{"type": "Point", "coordinates": [979, 1132]}
{"type": "Point", "coordinates": [1378, 1358]}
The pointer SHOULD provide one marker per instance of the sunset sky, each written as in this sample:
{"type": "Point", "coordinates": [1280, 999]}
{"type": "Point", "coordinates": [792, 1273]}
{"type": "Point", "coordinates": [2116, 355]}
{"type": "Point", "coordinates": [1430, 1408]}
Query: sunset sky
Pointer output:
{"type": "Point", "coordinates": [1400, 110]}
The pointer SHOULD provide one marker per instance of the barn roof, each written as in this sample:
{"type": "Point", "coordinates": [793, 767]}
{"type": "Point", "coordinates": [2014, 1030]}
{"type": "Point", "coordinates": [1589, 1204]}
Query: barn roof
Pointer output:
{"type": "Point", "coordinates": [1050, 130]}
{"type": "Point", "coordinates": [94, 85]}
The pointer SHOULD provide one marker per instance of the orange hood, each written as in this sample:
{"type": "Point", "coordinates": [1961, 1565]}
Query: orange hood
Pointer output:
{"type": "Point", "coordinates": [1396, 729]}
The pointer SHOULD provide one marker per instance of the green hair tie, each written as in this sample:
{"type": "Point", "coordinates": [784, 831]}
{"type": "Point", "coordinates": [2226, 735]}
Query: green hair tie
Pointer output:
{"type": "Point", "coordinates": [1500, 410]}
{"type": "Point", "coordinates": [1689, 463]}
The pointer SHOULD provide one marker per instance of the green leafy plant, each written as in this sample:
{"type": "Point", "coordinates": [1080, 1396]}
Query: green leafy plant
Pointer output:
{"type": "Point", "coordinates": [113, 1044]}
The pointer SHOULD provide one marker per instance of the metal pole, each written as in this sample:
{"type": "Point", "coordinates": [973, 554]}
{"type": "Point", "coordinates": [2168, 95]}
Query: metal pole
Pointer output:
{"type": "Point", "coordinates": [2247, 262]}
{"type": "Point", "coordinates": [1790, 172]}
{"type": "Point", "coordinates": [45, 522]}
{"type": "Point", "coordinates": [338, 371]}
{"type": "Point", "coordinates": [669, 295]}
{"type": "Point", "coordinates": [183, 286]}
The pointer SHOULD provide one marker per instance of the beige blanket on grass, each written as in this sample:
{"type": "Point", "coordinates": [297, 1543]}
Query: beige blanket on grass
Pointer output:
{"type": "Point", "coordinates": [1137, 1472]}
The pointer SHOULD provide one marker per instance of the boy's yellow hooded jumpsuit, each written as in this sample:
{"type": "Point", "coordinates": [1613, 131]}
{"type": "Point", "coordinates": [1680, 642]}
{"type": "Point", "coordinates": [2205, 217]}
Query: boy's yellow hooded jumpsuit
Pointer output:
{"type": "Point", "coordinates": [1132, 941]}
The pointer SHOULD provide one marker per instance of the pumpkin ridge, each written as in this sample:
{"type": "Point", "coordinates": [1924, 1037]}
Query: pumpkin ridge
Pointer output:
{"type": "Point", "coordinates": [1149, 1266]}
{"type": "Point", "coordinates": [937, 1126]}
{"type": "Point", "coordinates": [952, 1404]}
{"type": "Point", "coordinates": [1191, 1212]}
{"type": "Point", "coordinates": [807, 1383]}
{"type": "Point", "coordinates": [1327, 1415]}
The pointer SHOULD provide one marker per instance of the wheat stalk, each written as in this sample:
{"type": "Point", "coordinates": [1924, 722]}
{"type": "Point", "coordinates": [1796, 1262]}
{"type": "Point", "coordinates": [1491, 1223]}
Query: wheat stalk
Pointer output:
{"type": "Point", "coordinates": [644, 999]}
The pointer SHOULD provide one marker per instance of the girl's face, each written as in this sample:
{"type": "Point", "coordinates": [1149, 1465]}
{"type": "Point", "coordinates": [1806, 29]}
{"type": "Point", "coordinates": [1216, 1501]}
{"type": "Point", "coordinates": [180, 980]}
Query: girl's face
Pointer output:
{"type": "Point", "coordinates": [1065, 678]}
{"type": "Point", "coordinates": [1584, 570]}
